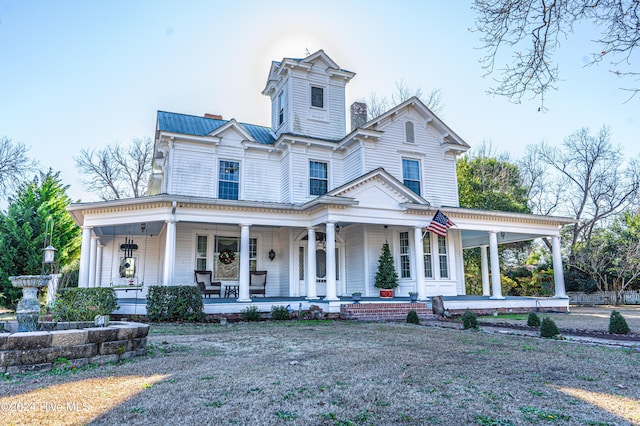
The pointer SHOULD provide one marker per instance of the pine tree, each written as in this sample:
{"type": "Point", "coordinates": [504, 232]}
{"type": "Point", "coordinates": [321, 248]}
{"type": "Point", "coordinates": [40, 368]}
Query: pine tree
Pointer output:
{"type": "Point", "coordinates": [386, 277]}
{"type": "Point", "coordinates": [22, 231]}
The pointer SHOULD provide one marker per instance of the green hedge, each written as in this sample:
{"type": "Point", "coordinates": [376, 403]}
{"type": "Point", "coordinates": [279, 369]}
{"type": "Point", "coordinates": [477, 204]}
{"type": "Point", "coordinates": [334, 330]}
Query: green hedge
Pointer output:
{"type": "Point", "coordinates": [83, 304]}
{"type": "Point", "coordinates": [174, 303]}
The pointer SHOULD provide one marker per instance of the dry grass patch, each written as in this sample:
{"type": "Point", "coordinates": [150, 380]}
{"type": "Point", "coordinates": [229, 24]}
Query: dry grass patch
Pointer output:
{"type": "Point", "coordinates": [345, 373]}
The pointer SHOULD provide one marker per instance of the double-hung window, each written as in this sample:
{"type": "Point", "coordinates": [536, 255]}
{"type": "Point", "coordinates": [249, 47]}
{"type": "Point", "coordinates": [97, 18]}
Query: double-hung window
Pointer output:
{"type": "Point", "coordinates": [426, 247]}
{"type": "Point", "coordinates": [229, 180]}
{"type": "Point", "coordinates": [442, 257]}
{"type": "Point", "coordinates": [411, 174]}
{"type": "Point", "coordinates": [201, 252]}
{"type": "Point", "coordinates": [280, 108]}
{"type": "Point", "coordinates": [317, 97]}
{"type": "Point", "coordinates": [405, 258]}
{"type": "Point", "coordinates": [318, 178]}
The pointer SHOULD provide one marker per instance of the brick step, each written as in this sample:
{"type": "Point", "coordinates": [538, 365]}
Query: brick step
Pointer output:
{"type": "Point", "coordinates": [384, 311]}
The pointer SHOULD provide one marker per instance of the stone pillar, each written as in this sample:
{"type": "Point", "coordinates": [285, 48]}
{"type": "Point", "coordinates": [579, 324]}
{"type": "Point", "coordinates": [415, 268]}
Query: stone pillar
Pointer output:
{"type": "Point", "coordinates": [419, 262]}
{"type": "Point", "coordinates": [85, 250]}
{"type": "Point", "coordinates": [495, 266]}
{"type": "Point", "coordinates": [93, 251]}
{"type": "Point", "coordinates": [168, 271]}
{"type": "Point", "coordinates": [558, 273]}
{"type": "Point", "coordinates": [311, 265]}
{"type": "Point", "coordinates": [244, 295]}
{"type": "Point", "coordinates": [98, 274]}
{"type": "Point", "coordinates": [484, 268]}
{"type": "Point", "coordinates": [331, 262]}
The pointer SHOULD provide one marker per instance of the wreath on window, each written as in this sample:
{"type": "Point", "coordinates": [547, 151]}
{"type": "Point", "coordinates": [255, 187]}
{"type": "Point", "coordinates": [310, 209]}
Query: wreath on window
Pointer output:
{"type": "Point", "coordinates": [227, 256]}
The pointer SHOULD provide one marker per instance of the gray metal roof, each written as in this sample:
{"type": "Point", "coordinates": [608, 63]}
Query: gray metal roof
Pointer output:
{"type": "Point", "coordinates": [202, 126]}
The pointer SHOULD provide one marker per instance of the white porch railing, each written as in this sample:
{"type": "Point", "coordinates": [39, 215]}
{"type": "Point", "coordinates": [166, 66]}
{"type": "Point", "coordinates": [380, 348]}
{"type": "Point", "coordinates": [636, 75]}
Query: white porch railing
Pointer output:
{"type": "Point", "coordinates": [630, 297]}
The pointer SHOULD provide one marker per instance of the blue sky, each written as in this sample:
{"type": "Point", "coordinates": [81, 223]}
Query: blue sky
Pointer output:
{"type": "Point", "coordinates": [84, 74]}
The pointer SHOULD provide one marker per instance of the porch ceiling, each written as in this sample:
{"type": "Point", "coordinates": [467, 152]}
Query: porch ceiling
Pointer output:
{"type": "Point", "coordinates": [149, 228]}
{"type": "Point", "coordinates": [471, 238]}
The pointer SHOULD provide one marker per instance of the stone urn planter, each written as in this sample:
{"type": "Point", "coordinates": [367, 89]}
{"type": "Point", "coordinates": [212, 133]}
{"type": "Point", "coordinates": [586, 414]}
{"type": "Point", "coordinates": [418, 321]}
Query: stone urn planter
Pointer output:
{"type": "Point", "coordinates": [28, 309]}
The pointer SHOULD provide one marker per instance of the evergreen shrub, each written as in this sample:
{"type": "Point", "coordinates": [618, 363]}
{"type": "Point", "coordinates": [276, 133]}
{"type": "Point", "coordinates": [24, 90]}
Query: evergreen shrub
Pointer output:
{"type": "Point", "coordinates": [280, 313]}
{"type": "Point", "coordinates": [412, 317]}
{"type": "Point", "coordinates": [174, 303]}
{"type": "Point", "coordinates": [469, 320]}
{"type": "Point", "coordinates": [617, 324]}
{"type": "Point", "coordinates": [83, 304]}
{"type": "Point", "coordinates": [250, 313]}
{"type": "Point", "coordinates": [548, 328]}
{"type": "Point", "coordinates": [533, 320]}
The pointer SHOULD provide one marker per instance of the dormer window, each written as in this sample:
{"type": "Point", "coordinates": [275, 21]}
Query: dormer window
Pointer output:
{"type": "Point", "coordinates": [317, 97]}
{"type": "Point", "coordinates": [409, 133]}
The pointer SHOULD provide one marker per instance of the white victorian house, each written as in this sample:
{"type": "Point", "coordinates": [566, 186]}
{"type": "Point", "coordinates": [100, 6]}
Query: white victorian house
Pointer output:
{"type": "Point", "coordinates": [306, 200]}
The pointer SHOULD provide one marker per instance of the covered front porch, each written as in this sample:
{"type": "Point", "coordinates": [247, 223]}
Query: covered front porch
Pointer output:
{"type": "Point", "coordinates": [484, 305]}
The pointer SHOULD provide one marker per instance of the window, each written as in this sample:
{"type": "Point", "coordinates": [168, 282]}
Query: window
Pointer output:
{"type": "Point", "coordinates": [405, 261]}
{"type": "Point", "coordinates": [229, 179]}
{"type": "Point", "coordinates": [253, 254]}
{"type": "Point", "coordinates": [426, 246]}
{"type": "Point", "coordinates": [318, 180]}
{"type": "Point", "coordinates": [408, 132]}
{"type": "Point", "coordinates": [280, 108]}
{"type": "Point", "coordinates": [201, 253]}
{"type": "Point", "coordinates": [442, 255]}
{"type": "Point", "coordinates": [317, 97]}
{"type": "Point", "coordinates": [411, 174]}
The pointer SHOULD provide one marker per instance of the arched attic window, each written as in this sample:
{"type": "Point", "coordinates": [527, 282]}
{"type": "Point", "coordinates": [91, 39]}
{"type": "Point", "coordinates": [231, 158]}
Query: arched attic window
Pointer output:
{"type": "Point", "coordinates": [408, 132]}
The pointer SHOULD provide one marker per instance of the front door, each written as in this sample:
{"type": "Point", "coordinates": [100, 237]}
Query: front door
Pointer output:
{"type": "Point", "coordinates": [321, 269]}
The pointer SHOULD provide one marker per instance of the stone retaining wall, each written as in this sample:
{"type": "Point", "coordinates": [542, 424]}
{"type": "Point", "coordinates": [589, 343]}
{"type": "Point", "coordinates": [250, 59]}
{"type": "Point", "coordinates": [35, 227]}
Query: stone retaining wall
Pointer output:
{"type": "Point", "coordinates": [384, 311]}
{"type": "Point", "coordinates": [39, 350]}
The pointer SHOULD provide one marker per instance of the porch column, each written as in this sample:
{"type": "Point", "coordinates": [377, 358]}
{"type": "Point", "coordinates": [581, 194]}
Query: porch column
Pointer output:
{"type": "Point", "coordinates": [244, 265]}
{"type": "Point", "coordinates": [331, 261]}
{"type": "Point", "coordinates": [311, 264]}
{"type": "Point", "coordinates": [93, 250]}
{"type": "Point", "coordinates": [419, 260]}
{"type": "Point", "coordinates": [83, 273]}
{"type": "Point", "coordinates": [98, 274]}
{"type": "Point", "coordinates": [484, 269]}
{"type": "Point", "coordinates": [169, 253]}
{"type": "Point", "coordinates": [558, 273]}
{"type": "Point", "coordinates": [495, 266]}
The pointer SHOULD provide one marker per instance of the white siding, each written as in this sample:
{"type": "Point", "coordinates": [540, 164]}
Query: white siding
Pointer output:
{"type": "Point", "coordinates": [193, 170]}
{"type": "Point", "coordinates": [376, 236]}
{"type": "Point", "coordinates": [285, 178]}
{"type": "Point", "coordinates": [261, 177]}
{"type": "Point", "coordinates": [354, 236]}
{"type": "Point", "coordinates": [439, 184]}
{"type": "Point", "coordinates": [353, 164]}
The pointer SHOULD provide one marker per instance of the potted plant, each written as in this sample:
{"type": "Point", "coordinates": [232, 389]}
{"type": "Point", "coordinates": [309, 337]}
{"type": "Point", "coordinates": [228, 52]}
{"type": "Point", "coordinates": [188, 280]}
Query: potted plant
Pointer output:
{"type": "Point", "coordinates": [386, 277]}
{"type": "Point", "coordinates": [413, 296]}
{"type": "Point", "coordinates": [356, 296]}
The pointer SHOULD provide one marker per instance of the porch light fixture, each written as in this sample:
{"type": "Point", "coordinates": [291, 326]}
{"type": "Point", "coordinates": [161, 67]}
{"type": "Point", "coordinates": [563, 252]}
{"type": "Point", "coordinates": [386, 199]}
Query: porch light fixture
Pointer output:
{"type": "Point", "coordinates": [502, 235]}
{"type": "Point", "coordinates": [272, 255]}
{"type": "Point", "coordinates": [49, 254]}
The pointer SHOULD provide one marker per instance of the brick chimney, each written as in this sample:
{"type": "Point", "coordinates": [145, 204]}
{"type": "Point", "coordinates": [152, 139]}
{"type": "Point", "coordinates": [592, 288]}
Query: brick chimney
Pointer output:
{"type": "Point", "coordinates": [358, 114]}
{"type": "Point", "coordinates": [214, 116]}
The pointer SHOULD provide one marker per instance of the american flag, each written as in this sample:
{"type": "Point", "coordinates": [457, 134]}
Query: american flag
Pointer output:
{"type": "Point", "coordinates": [439, 224]}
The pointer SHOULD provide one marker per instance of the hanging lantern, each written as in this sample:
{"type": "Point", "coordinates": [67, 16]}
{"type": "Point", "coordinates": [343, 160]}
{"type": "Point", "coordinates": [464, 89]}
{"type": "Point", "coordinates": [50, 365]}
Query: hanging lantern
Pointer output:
{"type": "Point", "coordinates": [49, 254]}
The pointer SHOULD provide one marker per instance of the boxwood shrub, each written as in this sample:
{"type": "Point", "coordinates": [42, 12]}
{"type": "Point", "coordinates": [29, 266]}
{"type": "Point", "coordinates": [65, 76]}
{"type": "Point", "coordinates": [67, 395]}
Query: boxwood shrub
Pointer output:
{"type": "Point", "coordinates": [174, 303]}
{"type": "Point", "coordinates": [617, 323]}
{"type": "Point", "coordinates": [83, 304]}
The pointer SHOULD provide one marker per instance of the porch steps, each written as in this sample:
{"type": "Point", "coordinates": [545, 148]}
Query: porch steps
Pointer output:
{"type": "Point", "coordinates": [390, 311]}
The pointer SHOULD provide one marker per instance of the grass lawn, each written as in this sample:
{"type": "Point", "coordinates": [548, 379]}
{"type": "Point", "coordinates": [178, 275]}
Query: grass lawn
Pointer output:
{"type": "Point", "coordinates": [337, 373]}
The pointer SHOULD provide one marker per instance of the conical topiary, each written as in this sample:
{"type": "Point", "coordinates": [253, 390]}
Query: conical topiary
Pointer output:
{"type": "Point", "coordinates": [412, 317]}
{"type": "Point", "coordinates": [386, 277]}
{"type": "Point", "coordinates": [469, 320]}
{"type": "Point", "coordinates": [533, 320]}
{"type": "Point", "coordinates": [548, 328]}
{"type": "Point", "coordinates": [617, 324]}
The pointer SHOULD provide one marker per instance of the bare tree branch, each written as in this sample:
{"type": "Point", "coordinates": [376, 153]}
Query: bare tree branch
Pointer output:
{"type": "Point", "coordinates": [116, 172]}
{"type": "Point", "coordinates": [378, 105]}
{"type": "Point", "coordinates": [14, 164]}
{"type": "Point", "coordinates": [533, 31]}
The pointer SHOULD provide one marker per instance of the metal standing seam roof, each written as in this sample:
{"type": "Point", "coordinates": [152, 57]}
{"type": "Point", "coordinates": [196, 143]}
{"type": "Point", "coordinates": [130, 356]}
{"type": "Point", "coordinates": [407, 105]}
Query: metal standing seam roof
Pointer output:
{"type": "Point", "coordinates": [202, 126]}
